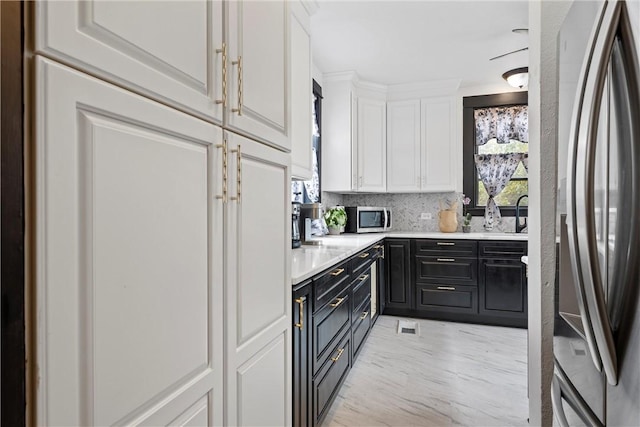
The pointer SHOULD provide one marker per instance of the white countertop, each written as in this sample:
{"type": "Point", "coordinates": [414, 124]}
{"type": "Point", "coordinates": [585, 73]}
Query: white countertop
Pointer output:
{"type": "Point", "coordinates": [307, 261]}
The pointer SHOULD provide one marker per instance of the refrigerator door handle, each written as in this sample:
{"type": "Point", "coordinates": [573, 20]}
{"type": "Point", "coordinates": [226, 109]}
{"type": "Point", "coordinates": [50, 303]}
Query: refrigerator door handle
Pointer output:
{"type": "Point", "coordinates": [575, 195]}
{"type": "Point", "coordinates": [561, 388]}
{"type": "Point", "coordinates": [556, 402]}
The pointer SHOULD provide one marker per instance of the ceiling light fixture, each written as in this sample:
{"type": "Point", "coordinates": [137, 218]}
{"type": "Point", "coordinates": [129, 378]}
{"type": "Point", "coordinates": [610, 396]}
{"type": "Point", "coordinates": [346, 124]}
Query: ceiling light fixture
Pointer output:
{"type": "Point", "coordinates": [518, 77]}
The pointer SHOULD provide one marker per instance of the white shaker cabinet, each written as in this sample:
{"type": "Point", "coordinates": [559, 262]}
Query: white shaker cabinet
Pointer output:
{"type": "Point", "coordinates": [129, 257]}
{"type": "Point", "coordinates": [372, 145]}
{"type": "Point", "coordinates": [257, 71]}
{"type": "Point", "coordinates": [171, 51]}
{"type": "Point", "coordinates": [258, 291]}
{"type": "Point", "coordinates": [421, 146]}
{"type": "Point", "coordinates": [339, 116]}
{"type": "Point", "coordinates": [438, 172]}
{"type": "Point", "coordinates": [404, 146]}
{"type": "Point", "coordinates": [301, 93]}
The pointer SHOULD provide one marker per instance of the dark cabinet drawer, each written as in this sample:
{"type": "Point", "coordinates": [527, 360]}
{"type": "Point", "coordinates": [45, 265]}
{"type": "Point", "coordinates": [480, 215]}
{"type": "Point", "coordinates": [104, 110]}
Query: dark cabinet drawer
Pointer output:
{"type": "Point", "coordinates": [397, 290]}
{"type": "Point", "coordinates": [361, 325]}
{"type": "Point", "coordinates": [361, 291]}
{"type": "Point", "coordinates": [445, 269]}
{"type": "Point", "coordinates": [447, 298]}
{"type": "Point", "coordinates": [361, 261]}
{"type": "Point", "coordinates": [502, 249]}
{"type": "Point", "coordinates": [446, 248]}
{"type": "Point", "coordinates": [329, 379]}
{"type": "Point", "coordinates": [328, 324]}
{"type": "Point", "coordinates": [327, 286]}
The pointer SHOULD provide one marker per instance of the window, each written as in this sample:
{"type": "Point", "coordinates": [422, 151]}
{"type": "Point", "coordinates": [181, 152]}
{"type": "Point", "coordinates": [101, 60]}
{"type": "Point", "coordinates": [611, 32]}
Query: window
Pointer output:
{"type": "Point", "coordinates": [310, 191]}
{"type": "Point", "coordinates": [481, 113]}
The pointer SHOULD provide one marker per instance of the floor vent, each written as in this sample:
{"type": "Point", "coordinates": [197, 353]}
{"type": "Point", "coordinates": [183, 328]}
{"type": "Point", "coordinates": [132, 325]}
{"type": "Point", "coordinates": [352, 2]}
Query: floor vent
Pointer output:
{"type": "Point", "coordinates": [408, 327]}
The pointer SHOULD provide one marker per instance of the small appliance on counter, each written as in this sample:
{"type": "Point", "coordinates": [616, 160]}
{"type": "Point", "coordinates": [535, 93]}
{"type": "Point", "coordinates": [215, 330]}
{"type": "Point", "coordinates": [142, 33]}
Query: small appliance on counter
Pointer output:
{"type": "Point", "coordinates": [311, 223]}
{"type": "Point", "coordinates": [367, 219]}
{"type": "Point", "coordinates": [295, 225]}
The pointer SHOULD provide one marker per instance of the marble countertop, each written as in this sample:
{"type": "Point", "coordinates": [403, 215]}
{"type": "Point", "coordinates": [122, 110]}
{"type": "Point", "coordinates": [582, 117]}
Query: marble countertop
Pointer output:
{"type": "Point", "coordinates": [307, 261]}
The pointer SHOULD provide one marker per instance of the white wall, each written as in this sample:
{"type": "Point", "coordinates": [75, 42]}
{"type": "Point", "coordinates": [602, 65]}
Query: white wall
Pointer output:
{"type": "Point", "coordinates": [316, 74]}
{"type": "Point", "coordinates": [545, 19]}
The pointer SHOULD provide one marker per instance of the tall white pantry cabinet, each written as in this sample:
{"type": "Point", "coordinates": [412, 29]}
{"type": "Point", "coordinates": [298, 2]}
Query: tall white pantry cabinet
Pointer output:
{"type": "Point", "coordinates": [162, 175]}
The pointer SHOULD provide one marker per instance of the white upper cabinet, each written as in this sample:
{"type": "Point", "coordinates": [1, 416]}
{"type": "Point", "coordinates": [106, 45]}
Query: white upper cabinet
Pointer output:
{"type": "Point", "coordinates": [171, 51]}
{"type": "Point", "coordinates": [258, 71]}
{"type": "Point", "coordinates": [372, 145]}
{"type": "Point", "coordinates": [301, 93]}
{"type": "Point", "coordinates": [339, 108]}
{"type": "Point", "coordinates": [403, 146]}
{"type": "Point", "coordinates": [438, 145]}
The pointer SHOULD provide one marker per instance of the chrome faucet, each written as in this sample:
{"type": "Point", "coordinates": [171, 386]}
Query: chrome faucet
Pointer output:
{"type": "Point", "coordinates": [520, 227]}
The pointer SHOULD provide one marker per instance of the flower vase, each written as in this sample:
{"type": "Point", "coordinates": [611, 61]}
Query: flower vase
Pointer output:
{"type": "Point", "coordinates": [466, 228]}
{"type": "Point", "coordinates": [334, 231]}
{"type": "Point", "coordinates": [448, 222]}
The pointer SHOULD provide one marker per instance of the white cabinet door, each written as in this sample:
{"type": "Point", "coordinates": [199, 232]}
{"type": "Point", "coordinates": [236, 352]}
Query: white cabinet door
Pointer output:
{"type": "Point", "coordinates": [258, 285]}
{"type": "Point", "coordinates": [257, 71]}
{"type": "Point", "coordinates": [129, 257]}
{"type": "Point", "coordinates": [339, 107]}
{"type": "Point", "coordinates": [403, 146]}
{"type": "Point", "coordinates": [170, 51]}
{"type": "Point", "coordinates": [372, 145]}
{"type": "Point", "coordinates": [438, 143]}
{"type": "Point", "coordinates": [301, 92]}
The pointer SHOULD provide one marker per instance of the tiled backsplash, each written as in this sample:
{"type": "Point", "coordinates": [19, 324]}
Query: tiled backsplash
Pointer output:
{"type": "Point", "coordinates": [408, 208]}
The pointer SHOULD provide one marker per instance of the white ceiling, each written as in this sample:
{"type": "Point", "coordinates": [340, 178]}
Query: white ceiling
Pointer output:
{"type": "Point", "coordinates": [396, 42]}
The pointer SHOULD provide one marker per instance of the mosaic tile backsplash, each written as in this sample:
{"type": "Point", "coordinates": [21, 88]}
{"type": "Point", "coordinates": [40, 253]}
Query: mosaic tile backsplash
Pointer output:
{"type": "Point", "coordinates": [407, 209]}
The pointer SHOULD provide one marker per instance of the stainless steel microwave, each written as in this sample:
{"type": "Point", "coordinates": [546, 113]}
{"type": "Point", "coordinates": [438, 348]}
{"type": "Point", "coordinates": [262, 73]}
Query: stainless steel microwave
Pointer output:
{"type": "Point", "coordinates": [367, 219]}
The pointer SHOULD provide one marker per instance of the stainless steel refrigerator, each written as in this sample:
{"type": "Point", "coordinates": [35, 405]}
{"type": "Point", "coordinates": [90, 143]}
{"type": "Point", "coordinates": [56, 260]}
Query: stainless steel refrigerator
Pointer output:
{"type": "Point", "coordinates": [597, 326]}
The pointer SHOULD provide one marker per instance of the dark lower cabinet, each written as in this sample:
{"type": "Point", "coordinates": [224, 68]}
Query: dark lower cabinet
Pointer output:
{"type": "Point", "coordinates": [330, 377]}
{"type": "Point", "coordinates": [360, 329]}
{"type": "Point", "coordinates": [503, 289]}
{"type": "Point", "coordinates": [302, 366]}
{"type": "Point", "coordinates": [328, 323]}
{"type": "Point", "coordinates": [398, 274]}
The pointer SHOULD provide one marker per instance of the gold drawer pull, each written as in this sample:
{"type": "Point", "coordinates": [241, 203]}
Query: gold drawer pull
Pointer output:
{"type": "Point", "coordinates": [337, 272]}
{"type": "Point", "coordinates": [446, 260]}
{"type": "Point", "coordinates": [340, 351]}
{"type": "Point", "coordinates": [337, 303]}
{"type": "Point", "coordinates": [364, 255]}
{"type": "Point", "coordinates": [377, 246]}
{"type": "Point", "coordinates": [363, 277]}
{"type": "Point", "coordinates": [446, 288]}
{"type": "Point", "coordinates": [364, 315]}
{"type": "Point", "coordinates": [300, 325]}
{"type": "Point", "coordinates": [445, 244]}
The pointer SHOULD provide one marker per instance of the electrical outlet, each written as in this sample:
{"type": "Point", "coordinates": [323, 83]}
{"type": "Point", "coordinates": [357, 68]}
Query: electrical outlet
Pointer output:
{"type": "Point", "coordinates": [425, 215]}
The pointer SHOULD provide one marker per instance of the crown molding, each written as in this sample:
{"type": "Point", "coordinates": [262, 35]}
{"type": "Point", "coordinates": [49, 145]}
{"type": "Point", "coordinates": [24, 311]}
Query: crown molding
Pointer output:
{"type": "Point", "coordinates": [311, 6]}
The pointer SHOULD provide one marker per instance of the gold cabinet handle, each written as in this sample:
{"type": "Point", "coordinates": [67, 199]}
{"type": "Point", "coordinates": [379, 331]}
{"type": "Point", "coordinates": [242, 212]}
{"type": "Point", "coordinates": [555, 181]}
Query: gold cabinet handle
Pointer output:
{"type": "Point", "coordinates": [446, 288]}
{"type": "Point", "coordinates": [337, 303]}
{"type": "Point", "coordinates": [445, 244]}
{"type": "Point", "coordinates": [300, 302]}
{"type": "Point", "coordinates": [377, 246]}
{"type": "Point", "coordinates": [337, 272]}
{"type": "Point", "coordinates": [364, 315]}
{"type": "Point", "coordinates": [446, 260]}
{"type": "Point", "coordinates": [223, 197]}
{"type": "Point", "coordinates": [363, 277]}
{"type": "Point", "coordinates": [340, 351]}
{"type": "Point", "coordinates": [364, 255]}
{"type": "Point", "coordinates": [239, 64]}
{"type": "Point", "coordinates": [223, 101]}
{"type": "Point", "coordinates": [238, 152]}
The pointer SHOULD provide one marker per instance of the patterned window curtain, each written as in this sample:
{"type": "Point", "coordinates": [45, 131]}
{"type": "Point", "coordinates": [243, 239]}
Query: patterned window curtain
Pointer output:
{"type": "Point", "coordinates": [503, 123]}
{"type": "Point", "coordinates": [495, 171]}
{"type": "Point", "coordinates": [525, 162]}
{"type": "Point", "coordinates": [309, 191]}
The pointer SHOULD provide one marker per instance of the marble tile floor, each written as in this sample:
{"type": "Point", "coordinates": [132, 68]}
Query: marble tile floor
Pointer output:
{"type": "Point", "coordinates": [452, 374]}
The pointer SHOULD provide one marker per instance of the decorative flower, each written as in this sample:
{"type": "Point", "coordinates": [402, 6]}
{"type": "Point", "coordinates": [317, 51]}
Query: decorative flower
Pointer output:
{"type": "Point", "coordinates": [467, 215]}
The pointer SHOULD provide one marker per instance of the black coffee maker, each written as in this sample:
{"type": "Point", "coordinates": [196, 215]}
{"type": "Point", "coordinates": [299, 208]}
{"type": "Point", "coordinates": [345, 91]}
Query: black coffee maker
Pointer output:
{"type": "Point", "coordinates": [295, 224]}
